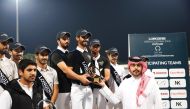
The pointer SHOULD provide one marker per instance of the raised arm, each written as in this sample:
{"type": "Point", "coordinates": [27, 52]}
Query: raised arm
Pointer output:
{"type": "Point", "coordinates": [109, 95]}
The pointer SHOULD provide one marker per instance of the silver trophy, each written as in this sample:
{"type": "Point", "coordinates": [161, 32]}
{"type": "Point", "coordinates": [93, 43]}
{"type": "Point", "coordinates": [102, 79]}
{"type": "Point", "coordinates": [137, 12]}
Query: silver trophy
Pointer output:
{"type": "Point", "coordinates": [48, 102]}
{"type": "Point", "coordinates": [93, 77]}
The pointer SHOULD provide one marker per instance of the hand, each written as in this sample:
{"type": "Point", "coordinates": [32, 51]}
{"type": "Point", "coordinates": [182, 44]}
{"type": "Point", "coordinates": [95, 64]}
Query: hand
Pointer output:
{"type": "Point", "coordinates": [84, 80]}
{"type": "Point", "coordinates": [101, 83]}
{"type": "Point", "coordinates": [47, 107]}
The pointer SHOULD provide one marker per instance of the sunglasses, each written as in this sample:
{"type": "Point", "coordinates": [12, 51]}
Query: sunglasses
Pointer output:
{"type": "Point", "coordinates": [85, 37]}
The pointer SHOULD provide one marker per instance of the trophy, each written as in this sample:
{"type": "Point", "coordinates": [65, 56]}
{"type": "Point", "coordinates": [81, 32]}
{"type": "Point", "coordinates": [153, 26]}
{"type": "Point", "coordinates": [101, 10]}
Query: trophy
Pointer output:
{"type": "Point", "coordinates": [46, 102]}
{"type": "Point", "coordinates": [94, 78]}
{"type": "Point", "coordinates": [90, 68]}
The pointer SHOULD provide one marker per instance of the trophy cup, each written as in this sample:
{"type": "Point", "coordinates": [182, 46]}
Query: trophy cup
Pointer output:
{"type": "Point", "coordinates": [94, 78]}
{"type": "Point", "coordinates": [47, 102]}
{"type": "Point", "coordinates": [90, 68]}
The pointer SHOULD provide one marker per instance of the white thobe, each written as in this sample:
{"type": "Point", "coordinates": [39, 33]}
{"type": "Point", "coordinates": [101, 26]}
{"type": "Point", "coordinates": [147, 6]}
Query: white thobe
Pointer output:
{"type": "Point", "coordinates": [126, 94]}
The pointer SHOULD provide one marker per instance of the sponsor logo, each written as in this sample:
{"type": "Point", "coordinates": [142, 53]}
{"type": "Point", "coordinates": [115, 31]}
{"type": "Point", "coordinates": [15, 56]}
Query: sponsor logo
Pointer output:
{"type": "Point", "coordinates": [162, 83]}
{"type": "Point", "coordinates": [178, 72]}
{"type": "Point", "coordinates": [178, 93]}
{"type": "Point", "coordinates": [175, 83]}
{"type": "Point", "coordinates": [164, 93]}
{"type": "Point", "coordinates": [160, 72]}
{"type": "Point", "coordinates": [165, 103]}
{"type": "Point", "coordinates": [179, 104]}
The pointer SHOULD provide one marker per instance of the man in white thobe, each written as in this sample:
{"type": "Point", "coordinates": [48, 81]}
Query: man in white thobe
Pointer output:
{"type": "Point", "coordinates": [140, 91]}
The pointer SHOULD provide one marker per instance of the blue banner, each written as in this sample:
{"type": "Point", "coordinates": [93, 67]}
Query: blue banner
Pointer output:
{"type": "Point", "coordinates": [168, 55]}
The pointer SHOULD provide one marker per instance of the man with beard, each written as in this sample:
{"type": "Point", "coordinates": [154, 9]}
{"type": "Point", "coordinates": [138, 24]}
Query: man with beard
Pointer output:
{"type": "Point", "coordinates": [140, 91]}
{"type": "Point", "coordinates": [8, 68]}
{"type": "Point", "coordinates": [102, 68]}
{"type": "Point", "coordinates": [16, 51]}
{"type": "Point", "coordinates": [79, 59]}
{"type": "Point", "coordinates": [59, 60]}
{"type": "Point", "coordinates": [24, 93]}
{"type": "Point", "coordinates": [46, 74]}
{"type": "Point", "coordinates": [117, 74]}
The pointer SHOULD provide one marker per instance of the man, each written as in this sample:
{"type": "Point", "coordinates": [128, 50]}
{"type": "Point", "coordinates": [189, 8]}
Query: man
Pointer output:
{"type": "Point", "coordinates": [24, 93]}
{"type": "Point", "coordinates": [8, 68]}
{"type": "Point", "coordinates": [16, 51]}
{"type": "Point", "coordinates": [45, 74]}
{"type": "Point", "coordinates": [3, 98]}
{"type": "Point", "coordinates": [102, 68]}
{"type": "Point", "coordinates": [117, 74]}
{"type": "Point", "coordinates": [137, 92]}
{"type": "Point", "coordinates": [79, 59]}
{"type": "Point", "coordinates": [58, 60]}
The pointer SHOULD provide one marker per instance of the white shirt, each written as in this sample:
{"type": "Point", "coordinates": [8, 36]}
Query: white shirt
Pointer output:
{"type": "Point", "coordinates": [5, 99]}
{"type": "Point", "coordinates": [126, 94]}
{"type": "Point", "coordinates": [27, 89]}
{"type": "Point", "coordinates": [63, 50]}
{"type": "Point", "coordinates": [120, 70]}
{"type": "Point", "coordinates": [9, 68]}
{"type": "Point", "coordinates": [50, 75]}
{"type": "Point", "coordinates": [122, 73]}
{"type": "Point", "coordinates": [81, 50]}
{"type": "Point", "coordinates": [96, 64]}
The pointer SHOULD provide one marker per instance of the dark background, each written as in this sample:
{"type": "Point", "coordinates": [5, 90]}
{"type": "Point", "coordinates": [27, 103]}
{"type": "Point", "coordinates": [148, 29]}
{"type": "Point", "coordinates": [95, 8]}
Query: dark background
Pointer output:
{"type": "Point", "coordinates": [109, 20]}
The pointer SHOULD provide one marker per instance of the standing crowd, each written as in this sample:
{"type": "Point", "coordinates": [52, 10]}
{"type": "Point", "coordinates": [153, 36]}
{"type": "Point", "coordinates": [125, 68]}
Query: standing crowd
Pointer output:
{"type": "Point", "coordinates": [78, 79]}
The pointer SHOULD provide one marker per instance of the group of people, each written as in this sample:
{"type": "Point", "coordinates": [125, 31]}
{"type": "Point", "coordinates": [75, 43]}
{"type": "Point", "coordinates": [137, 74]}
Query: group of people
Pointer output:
{"type": "Point", "coordinates": [78, 79]}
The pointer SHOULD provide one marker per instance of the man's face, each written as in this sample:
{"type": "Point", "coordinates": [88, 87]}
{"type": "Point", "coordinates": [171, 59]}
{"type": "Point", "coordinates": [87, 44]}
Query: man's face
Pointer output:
{"type": "Point", "coordinates": [113, 57]}
{"type": "Point", "coordinates": [17, 53]}
{"type": "Point", "coordinates": [64, 42]}
{"type": "Point", "coordinates": [136, 69]}
{"type": "Point", "coordinates": [42, 57]}
{"type": "Point", "coordinates": [83, 40]}
{"type": "Point", "coordinates": [29, 74]}
{"type": "Point", "coordinates": [4, 47]}
{"type": "Point", "coordinates": [95, 49]}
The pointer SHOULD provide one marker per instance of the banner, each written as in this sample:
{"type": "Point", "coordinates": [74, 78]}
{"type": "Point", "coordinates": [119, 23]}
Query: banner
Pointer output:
{"type": "Point", "coordinates": [168, 60]}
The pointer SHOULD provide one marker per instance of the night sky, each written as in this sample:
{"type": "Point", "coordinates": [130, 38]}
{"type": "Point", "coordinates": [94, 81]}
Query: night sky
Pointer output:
{"type": "Point", "coordinates": [108, 20]}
